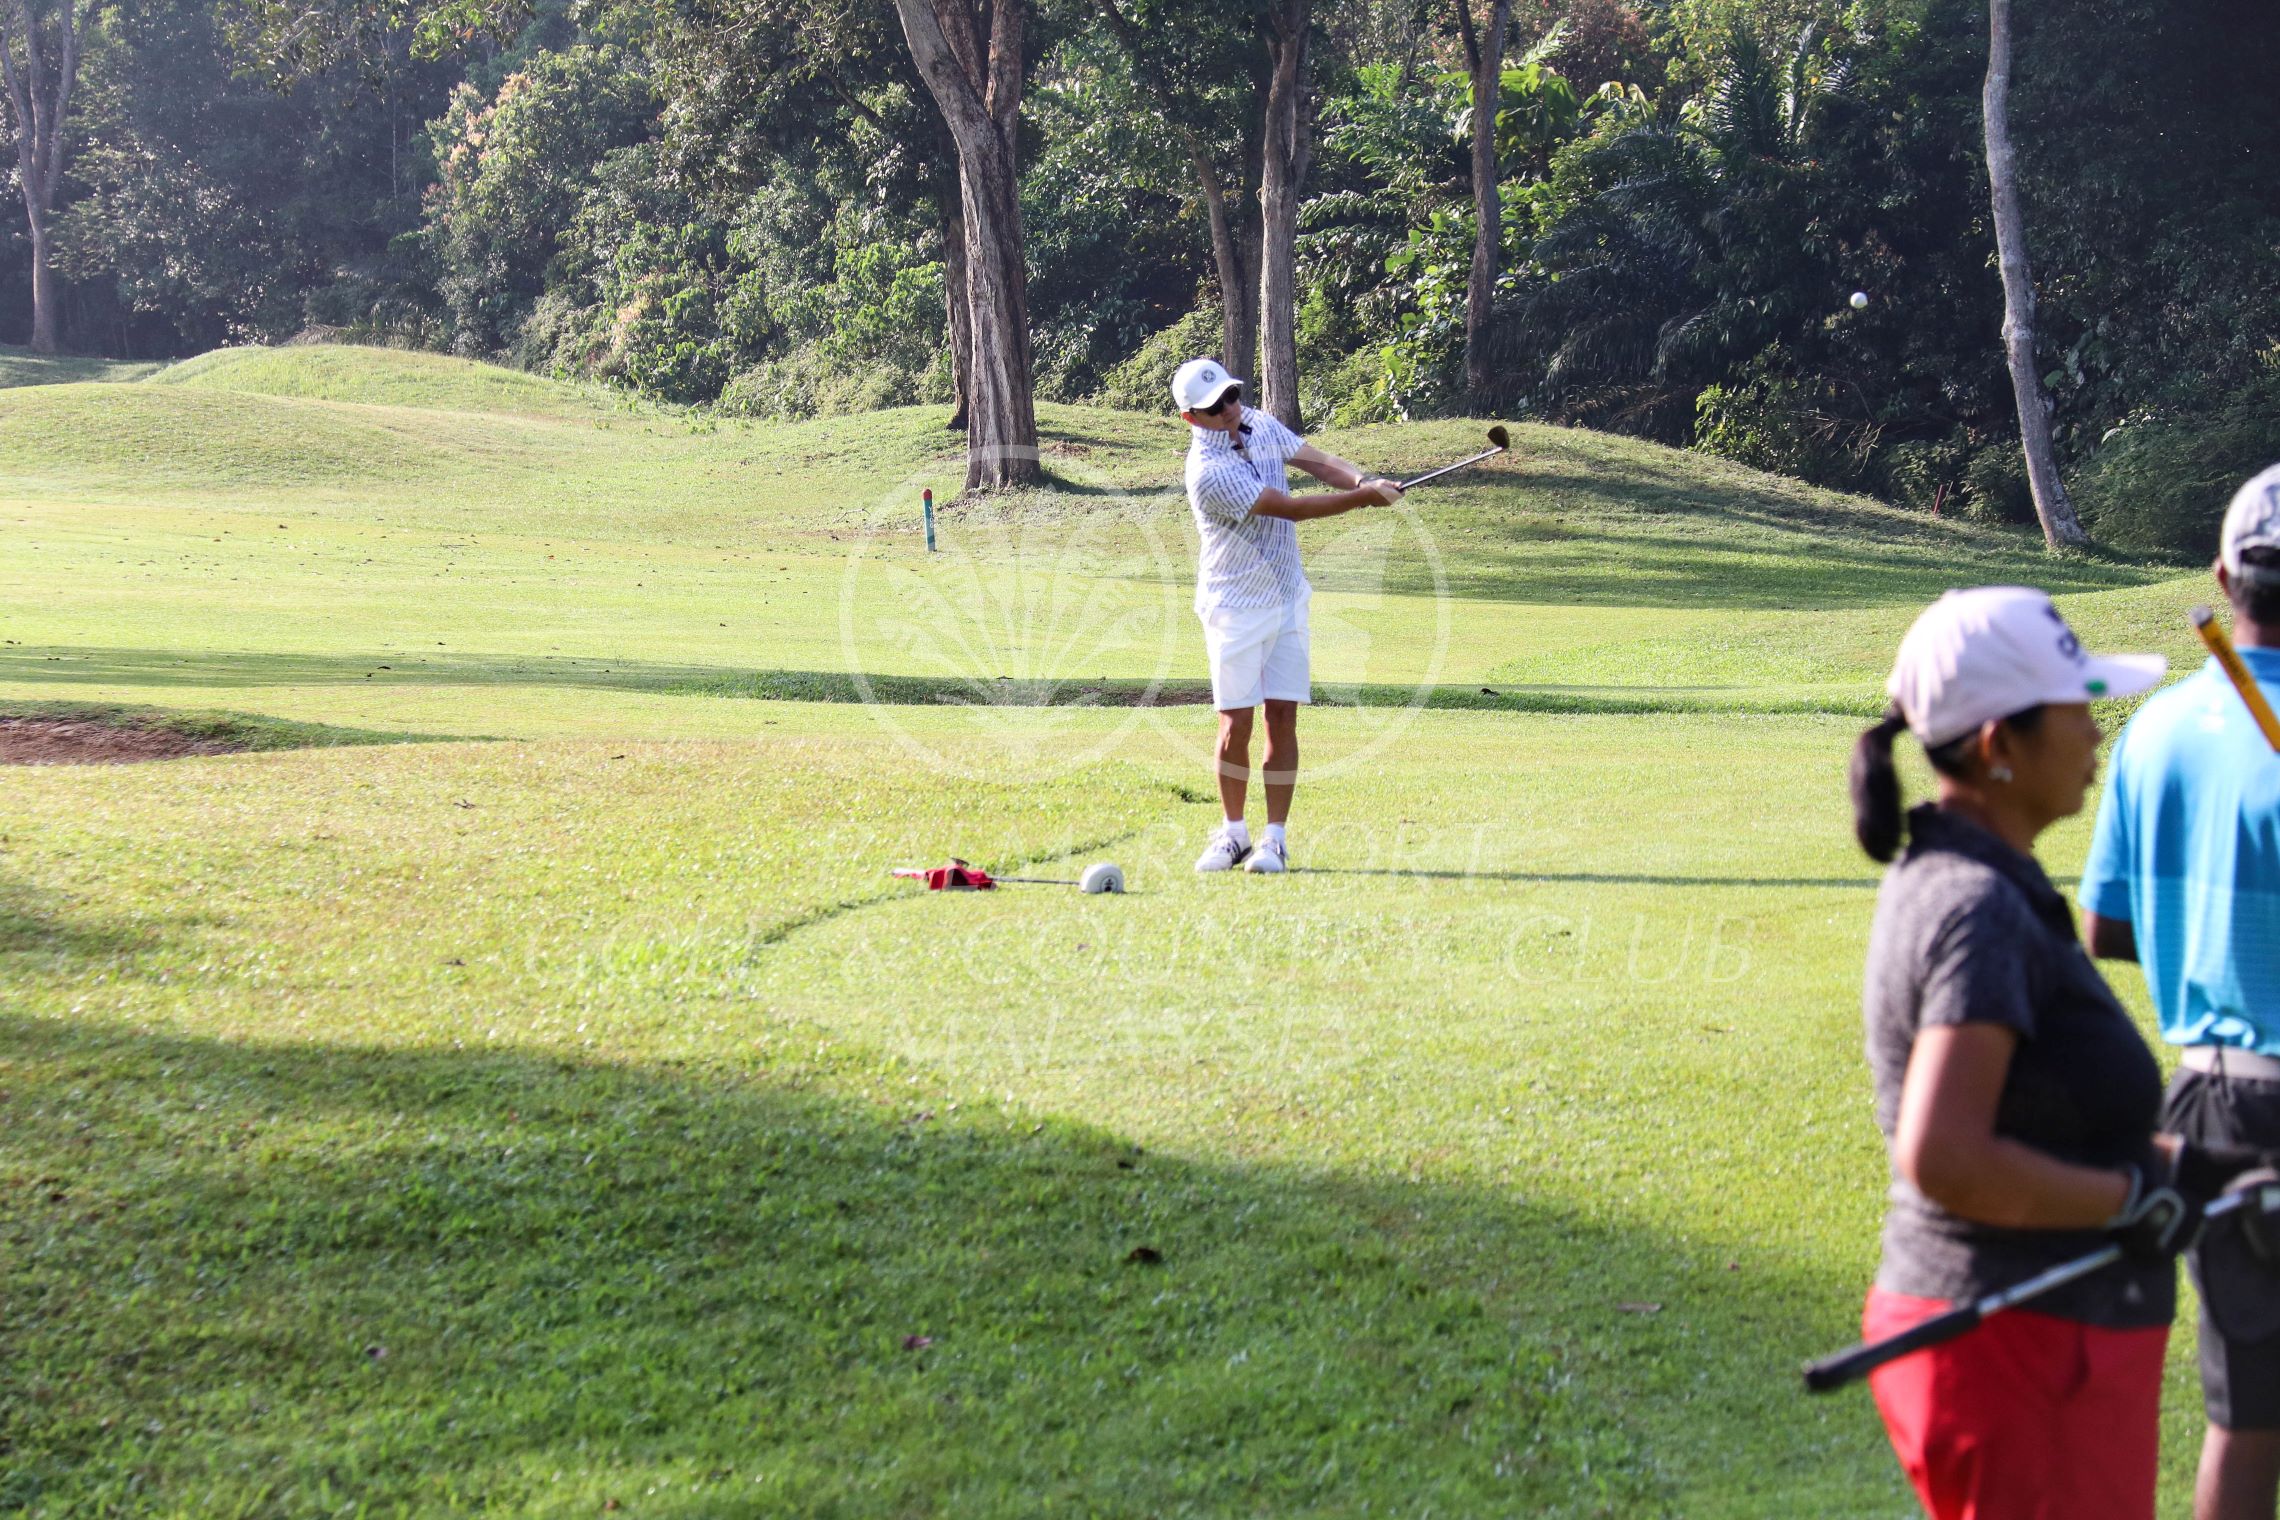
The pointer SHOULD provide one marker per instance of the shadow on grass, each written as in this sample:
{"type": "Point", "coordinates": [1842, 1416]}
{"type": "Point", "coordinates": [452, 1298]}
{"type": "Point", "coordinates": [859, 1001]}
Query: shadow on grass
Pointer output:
{"type": "Point", "coordinates": [262, 1276]}
{"type": "Point", "coordinates": [58, 665]}
{"type": "Point", "coordinates": [1601, 879]}
{"type": "Point", "coordinates": [35, 923]}
{"type": "Point", "coordinates": [61, 664]}
{"type": "Point", "coordinates": [1676, 573]}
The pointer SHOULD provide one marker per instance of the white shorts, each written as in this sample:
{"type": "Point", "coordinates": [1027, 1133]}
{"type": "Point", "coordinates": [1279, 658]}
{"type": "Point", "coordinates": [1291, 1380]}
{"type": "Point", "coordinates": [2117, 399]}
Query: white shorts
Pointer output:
{"type": "Point", "coordinates": [1258, 654]}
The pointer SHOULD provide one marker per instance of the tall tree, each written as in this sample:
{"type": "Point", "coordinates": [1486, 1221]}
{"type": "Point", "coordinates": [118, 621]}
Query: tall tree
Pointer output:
{"type": "Point", "coordinates": [39, 65]}
{"type": "Point", "coordinates": [1289, 150]}
{"type": "Point", "coordinates": [2062, 528]}
{"type": "Point", "coordinates": [1230, 210]}
{"type": "Point", "coordinates": [971, 57]}
{"type": "Point", "coordinates": [1484, 61]}
{"type": "Point", "coordinates": [749, 80]}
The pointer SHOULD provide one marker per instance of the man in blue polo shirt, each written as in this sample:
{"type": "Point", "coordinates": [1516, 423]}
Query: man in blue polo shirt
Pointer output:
{"type": "Point", "coordinates": [2184, 877]}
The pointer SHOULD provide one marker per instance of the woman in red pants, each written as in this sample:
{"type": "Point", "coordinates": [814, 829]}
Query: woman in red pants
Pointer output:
{"type": "Point", "coordinates": [2017, 1099]}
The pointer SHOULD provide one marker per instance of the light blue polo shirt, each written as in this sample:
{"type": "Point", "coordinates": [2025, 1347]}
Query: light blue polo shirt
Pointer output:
{"type": "Point", "coordinates": [2188, 852]}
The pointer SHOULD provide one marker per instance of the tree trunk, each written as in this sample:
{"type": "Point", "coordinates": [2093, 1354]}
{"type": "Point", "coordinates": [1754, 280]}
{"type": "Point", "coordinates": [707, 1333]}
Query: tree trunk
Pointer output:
{"type": "Point", "coordinates": [1288, 148]}
{"type": "Point", "coordinates": [1001, 417]}
{"type": "Point", "coordinates": [45, 339]}
{"type": "Point", "coordinates": [972, 65]}
{"type": "Point", "coordinates": [1234, 253]}
{"type": "Point", "coordinates": [1484, 58]}
{"type": "Point", "coordinates": [39, 93]}
{"type": "Point", "coordinates": [2061, 527]}
{"type": "Point", "coordinates": [957, 299]}
{"type": "Point", "coordinates": [1241, 333]}
{"type": "Point", "coordinates": [1238, 332]}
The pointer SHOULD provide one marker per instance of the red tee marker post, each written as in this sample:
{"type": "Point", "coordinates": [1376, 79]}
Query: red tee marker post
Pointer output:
{"type": "Point", "coordinates": [929, 500]}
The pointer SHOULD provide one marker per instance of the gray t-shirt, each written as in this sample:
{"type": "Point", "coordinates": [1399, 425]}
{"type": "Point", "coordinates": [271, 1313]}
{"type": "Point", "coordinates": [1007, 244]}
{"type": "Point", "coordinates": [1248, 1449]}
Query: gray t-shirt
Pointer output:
{"type": "Point", "coordinates": [1970, 931]}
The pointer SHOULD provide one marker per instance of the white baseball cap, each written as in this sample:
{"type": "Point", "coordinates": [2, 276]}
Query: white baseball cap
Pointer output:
{"type": "Point", "coordinates": [1983, 654]}
{"type": "Point", "coordinates": [1199, 383]}
{"type": "Point", "coordinates": [2252, 521]}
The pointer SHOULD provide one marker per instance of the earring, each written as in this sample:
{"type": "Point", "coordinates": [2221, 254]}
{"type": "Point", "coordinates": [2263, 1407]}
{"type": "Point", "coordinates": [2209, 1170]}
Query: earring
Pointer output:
{"type": "Point", "coordinates": [2000, 772]}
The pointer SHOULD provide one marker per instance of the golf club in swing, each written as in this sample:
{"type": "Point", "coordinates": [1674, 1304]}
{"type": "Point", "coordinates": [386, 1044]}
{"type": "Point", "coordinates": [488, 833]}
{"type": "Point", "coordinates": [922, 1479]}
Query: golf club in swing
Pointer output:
{"type": "Point", "coordinates": [1850, 1366]}
{"type": "Point", "coordinates": [2205, 624]}
{"type": "Point", "coordinates": [1496, 435]}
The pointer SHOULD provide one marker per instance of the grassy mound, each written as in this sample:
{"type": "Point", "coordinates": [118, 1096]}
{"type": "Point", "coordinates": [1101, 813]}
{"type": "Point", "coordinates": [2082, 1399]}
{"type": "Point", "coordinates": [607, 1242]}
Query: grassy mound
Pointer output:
{"type": "Point", "coordinates": [381, 377]}
{"type": "Point", "coordinates": [105, 437]}
{"type": "Point", "coordinates": [20, 366]}
{"type": "Point", "coordinates": [234, 732]}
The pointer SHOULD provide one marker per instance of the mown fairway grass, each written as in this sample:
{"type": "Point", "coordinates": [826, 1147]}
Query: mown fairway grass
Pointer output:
{"type": "Point", "coordinates": [578, 1113]}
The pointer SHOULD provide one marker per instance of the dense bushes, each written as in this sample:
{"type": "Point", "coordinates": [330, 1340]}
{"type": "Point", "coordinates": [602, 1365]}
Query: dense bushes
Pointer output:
{"type": "Point", "coordinates": [2161, 482]}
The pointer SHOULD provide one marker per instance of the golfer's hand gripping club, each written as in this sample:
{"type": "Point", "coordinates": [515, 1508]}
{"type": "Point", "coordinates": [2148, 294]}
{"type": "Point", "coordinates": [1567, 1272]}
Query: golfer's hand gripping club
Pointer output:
{"type": "Point", "coordinates": [2159, 1220]}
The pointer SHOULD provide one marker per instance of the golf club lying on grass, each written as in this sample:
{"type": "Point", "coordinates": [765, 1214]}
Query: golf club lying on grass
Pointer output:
{"type": "Point", "coordinates": [958, 876]}
{"type": "Point", "coordinates": [1496, 435]}
{"type": "Point", "coordinates": [1833, 1372]}
{"type": "Point", "coordinates": [2213, 635]}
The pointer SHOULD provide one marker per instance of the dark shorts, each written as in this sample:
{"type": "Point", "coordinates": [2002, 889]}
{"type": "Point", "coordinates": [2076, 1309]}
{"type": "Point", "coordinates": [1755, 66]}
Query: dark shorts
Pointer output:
{"type": "Point", "coordinates": [2240, 1379]}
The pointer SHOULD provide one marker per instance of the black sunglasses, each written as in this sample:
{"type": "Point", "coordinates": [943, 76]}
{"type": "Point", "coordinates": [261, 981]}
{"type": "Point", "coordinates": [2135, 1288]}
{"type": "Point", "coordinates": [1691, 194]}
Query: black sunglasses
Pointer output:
{"type": "Point", "coordinates": [1231, 395]}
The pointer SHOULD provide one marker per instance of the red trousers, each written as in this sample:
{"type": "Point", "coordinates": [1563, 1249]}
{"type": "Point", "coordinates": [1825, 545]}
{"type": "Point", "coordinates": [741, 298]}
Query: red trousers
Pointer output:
{"type": "Point", "coordinates": [2025, 1418]}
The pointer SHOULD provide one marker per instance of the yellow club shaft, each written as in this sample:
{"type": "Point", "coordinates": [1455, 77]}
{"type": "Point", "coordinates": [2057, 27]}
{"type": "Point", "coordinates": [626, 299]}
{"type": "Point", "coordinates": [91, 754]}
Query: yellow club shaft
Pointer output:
{"type": "Point", "coordinates": [2212, 634]}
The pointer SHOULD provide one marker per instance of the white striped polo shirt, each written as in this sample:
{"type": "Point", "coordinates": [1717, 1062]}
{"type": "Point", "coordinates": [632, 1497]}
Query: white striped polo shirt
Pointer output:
{"type": "Point", "coordinates": [1246, 561]}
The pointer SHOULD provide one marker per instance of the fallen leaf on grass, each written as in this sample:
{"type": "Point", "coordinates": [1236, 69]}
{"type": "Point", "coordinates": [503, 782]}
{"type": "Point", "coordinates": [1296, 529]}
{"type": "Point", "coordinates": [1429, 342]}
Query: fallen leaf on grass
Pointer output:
{"type": "Point", "coordinates": [917, 1342]}
{"type": "Point", "coordinates": [1144, 1256]}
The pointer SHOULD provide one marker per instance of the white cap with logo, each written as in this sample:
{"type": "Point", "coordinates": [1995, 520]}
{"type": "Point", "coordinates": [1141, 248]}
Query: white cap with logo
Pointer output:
{"type": "Point", "coordinates": [2252, 522]}
{"type": "Point", "coordinates": [1974, 656]}
{"type": "Point", "coordinates": [1199, 383]}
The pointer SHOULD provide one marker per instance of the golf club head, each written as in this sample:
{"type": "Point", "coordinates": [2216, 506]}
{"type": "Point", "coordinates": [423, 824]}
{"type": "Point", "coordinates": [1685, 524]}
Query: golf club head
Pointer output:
{"type": "Point", "coordinates": [1498, 436]}
{"type": "Point", "coordinates": [1102, 878]}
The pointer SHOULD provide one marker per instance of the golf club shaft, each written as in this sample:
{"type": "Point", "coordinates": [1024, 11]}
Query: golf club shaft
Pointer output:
{"type": "Point", "coordinates": [2244, 682]}
{"type": "Point", "coordinates": [1850, 1366]}
{"type": "Point", "coordinates": [1451, 469]}
{"type": "Point", "coordinates": [1037, 881]}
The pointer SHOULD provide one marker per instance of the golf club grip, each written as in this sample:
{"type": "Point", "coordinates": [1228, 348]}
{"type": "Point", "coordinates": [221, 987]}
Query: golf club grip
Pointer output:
{"type": "Point", "coordinates": [1833, 1372]}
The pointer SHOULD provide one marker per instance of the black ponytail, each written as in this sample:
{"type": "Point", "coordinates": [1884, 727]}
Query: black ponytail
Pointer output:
{"type": "Point", "coordinates": [1877, 819]}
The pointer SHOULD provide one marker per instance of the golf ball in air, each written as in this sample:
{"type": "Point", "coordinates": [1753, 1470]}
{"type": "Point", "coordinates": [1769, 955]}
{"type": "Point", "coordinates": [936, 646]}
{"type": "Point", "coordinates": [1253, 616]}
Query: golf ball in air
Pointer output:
{"type": "Point", "coordinates": [1860, 300]}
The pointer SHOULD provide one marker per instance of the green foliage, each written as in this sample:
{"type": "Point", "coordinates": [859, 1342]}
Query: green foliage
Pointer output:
{"type": "Point", "coordinates": [1995, 486]}
{"type": "Point", "coordinates": [738, 191]}
{"type": "Point", "coordinates": [1111, 233]}
{"type": "Point", "coordinates": [2161, 482]}
{"type": "Point", "coordinates": [513, 174]}
{"type": "Point", "coordinates": [1143, 383]}
{"type": "Point", "coordinates": [1788, 424]}
{"type": "Point", "coordinates": [213, 208]}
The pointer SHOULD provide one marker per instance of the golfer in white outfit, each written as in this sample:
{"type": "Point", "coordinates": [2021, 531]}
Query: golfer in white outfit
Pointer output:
{"type": "Point", "coordinates": [1251, 592]}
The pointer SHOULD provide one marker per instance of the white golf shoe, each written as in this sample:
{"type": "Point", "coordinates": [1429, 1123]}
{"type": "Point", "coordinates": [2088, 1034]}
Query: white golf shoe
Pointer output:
{"type": "Point", "coordinates": [1222, 854]}
{"type": "Point", "coordinates": [1271, 858]}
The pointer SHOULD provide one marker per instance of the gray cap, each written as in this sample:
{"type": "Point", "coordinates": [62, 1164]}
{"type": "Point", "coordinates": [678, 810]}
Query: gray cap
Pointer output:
{"type": "Point", "coordinates": [2252, 522]}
